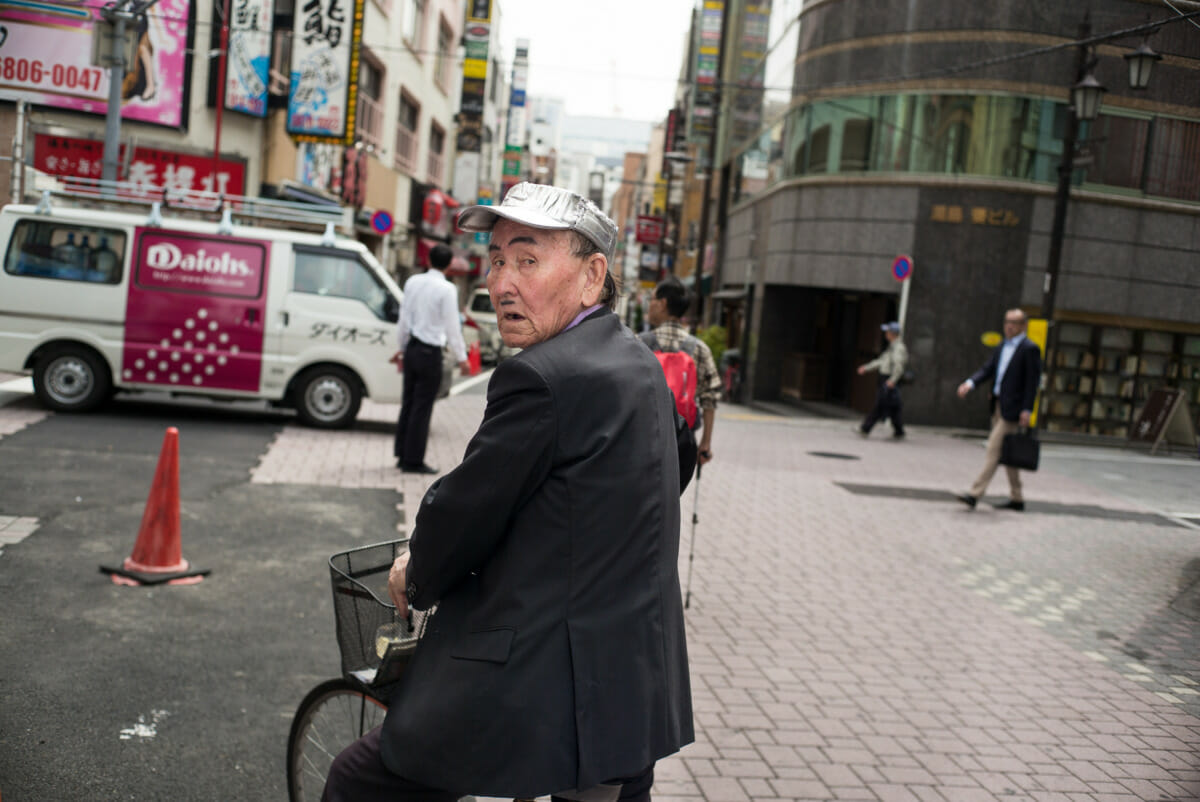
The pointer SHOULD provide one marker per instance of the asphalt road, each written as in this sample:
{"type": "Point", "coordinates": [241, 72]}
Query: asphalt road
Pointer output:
{"type": "Point", "coordinates": [91, 672]}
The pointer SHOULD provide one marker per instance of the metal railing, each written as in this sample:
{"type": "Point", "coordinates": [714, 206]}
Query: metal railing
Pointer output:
{"type": "Point", "coordinates": [96, 193]}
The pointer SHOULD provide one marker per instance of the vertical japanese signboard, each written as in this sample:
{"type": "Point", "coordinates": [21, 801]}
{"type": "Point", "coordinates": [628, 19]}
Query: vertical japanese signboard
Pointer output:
{"type": "Point", "coordinates": [323, 96]}
{"type": "Point", "coordinates": [515, 139]}
{"type": "Point", "coordinates": [708, 53]}
{"type": "Point", "coordinates": [477, 34]}
{"type": "Point", "coordinates": [45, 58]}
{"type": "Point", "coordinates": [751, 68]}
{"type": "Point", "coordinates": [249, 57]}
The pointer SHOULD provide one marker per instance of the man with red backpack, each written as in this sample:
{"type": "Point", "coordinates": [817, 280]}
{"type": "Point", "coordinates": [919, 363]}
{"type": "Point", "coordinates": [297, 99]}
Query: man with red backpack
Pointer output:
{"type": "Point", "coordinates": [687, 362]}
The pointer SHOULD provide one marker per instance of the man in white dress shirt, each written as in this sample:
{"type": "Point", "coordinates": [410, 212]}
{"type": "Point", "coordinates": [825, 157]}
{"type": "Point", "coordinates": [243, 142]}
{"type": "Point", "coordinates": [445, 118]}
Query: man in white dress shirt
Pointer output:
{"type": "Point", "coordinates": [429, 321]}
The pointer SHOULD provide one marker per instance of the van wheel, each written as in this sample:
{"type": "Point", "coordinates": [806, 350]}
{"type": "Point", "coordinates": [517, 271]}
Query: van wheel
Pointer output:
{"type": "Point", "coordinates": [328, 397]}
{"type": "Point", "coordinates": [71, 378]}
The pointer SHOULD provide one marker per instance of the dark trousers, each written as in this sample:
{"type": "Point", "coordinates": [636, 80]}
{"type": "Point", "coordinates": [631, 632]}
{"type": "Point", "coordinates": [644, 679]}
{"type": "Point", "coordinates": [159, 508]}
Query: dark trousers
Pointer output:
{"type": "Point", "coordinates": [887, 405]}
{"type": "Point", "coordinates": [358, 775]}
{"type": "Point", "coordinates": [422, 377]}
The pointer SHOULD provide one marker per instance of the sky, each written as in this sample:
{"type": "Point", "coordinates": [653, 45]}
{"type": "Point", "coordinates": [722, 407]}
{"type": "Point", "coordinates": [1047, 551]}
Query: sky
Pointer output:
{"type": "Point", "coordinates": [615, 58]}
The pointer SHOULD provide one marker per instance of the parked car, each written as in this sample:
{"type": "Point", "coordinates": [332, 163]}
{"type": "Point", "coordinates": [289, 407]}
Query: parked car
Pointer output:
{"type": "Point", "coordinates": [482, 315]}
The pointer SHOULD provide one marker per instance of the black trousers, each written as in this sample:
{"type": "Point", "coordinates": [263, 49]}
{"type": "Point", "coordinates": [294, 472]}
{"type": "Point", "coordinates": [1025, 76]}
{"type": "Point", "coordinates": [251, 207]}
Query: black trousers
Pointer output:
{"type": "Point", "coordinates": [358, 775]}
{"type": "Point", "coordinates": [887, 405]}
{"type": "Point", "coordinates": [422, 377]}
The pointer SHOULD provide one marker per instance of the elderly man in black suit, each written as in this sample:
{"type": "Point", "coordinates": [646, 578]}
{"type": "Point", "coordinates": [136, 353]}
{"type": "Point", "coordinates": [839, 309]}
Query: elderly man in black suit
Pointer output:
{"type": "Point", "coordinates": [556, 662]}
{"type": "Point", "coordinates": [1012, 373]}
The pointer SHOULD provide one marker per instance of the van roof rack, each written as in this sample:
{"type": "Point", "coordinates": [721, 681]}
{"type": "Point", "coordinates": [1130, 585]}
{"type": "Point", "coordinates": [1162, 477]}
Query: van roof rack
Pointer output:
{"type": "Point", "coordinates": [96, 193]}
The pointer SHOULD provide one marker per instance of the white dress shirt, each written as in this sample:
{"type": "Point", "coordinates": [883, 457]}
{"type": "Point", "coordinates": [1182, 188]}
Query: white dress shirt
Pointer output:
{"type": "Point", "coordinates": [1006, 354]}
{"type": "Point", "coordinates": [430, 313]}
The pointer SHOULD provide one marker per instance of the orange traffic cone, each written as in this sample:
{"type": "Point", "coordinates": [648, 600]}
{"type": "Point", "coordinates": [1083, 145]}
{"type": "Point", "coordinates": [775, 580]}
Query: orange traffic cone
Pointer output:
{"type": "Point", "coordinates": [157, 555]}
{"type": "Point", "coordinates": [475, 358]}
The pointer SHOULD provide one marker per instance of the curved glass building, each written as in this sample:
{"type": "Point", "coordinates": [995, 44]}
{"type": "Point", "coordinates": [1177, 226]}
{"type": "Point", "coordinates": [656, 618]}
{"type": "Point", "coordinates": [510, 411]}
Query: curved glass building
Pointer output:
{"type": "Point", "coordinates": [935, 129]}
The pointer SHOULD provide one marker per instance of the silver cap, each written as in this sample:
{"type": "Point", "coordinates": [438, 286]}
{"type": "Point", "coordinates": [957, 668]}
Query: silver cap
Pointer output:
{"type": "Point", "coordinates": [543, 206]}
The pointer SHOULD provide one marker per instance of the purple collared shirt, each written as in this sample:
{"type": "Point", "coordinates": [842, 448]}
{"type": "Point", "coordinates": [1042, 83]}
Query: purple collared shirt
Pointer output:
{"type": "Point", "coordinates": [582, 315]}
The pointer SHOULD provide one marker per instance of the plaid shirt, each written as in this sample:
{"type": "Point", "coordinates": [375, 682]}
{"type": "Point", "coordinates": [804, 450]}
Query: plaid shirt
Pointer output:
{"type": "Point", "coordinates": [671, 336]}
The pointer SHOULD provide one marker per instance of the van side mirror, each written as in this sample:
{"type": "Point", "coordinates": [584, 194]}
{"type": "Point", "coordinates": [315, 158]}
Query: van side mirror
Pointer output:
{"type": "Point", "coordinates": [391, 309]}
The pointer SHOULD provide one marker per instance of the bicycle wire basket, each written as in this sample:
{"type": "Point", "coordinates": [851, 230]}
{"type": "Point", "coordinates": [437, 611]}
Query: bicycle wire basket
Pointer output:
{"type": "Point", "coordinates": [375, 642]}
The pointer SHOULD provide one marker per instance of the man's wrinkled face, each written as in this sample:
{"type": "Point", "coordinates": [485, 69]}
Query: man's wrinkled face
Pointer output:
{"type": "Point", "coordinates": [537, 285]}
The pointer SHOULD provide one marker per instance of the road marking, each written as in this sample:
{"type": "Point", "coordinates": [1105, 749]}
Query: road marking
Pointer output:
{"type": "Point", "coordinates": [24, 386]}
{"type": "Point", "coordinates": [144, 729]}
{"type": "Point", "coordinates": [14, 529]}
{"type": "Point", "coordinates": [467, 384]}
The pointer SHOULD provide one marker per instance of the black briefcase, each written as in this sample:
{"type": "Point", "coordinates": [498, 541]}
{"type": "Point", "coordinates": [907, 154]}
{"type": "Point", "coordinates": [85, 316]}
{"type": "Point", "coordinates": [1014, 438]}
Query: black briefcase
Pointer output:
{"type": "Point", "coordinates": [1020, 449]}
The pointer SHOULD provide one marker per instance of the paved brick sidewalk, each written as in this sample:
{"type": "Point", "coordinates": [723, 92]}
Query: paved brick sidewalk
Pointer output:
{"type": "Point", "coordinates": [856, 634]}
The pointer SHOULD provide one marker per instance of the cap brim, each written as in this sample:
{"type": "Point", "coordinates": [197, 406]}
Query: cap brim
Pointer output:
{"type": "Point", "coordinates": [483, 218]}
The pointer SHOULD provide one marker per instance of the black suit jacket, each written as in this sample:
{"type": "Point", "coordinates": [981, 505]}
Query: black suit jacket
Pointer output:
{"type": "Point", "coordinates": [556, 658]}
{"type": "Point", "coordinates": [1018, 389]}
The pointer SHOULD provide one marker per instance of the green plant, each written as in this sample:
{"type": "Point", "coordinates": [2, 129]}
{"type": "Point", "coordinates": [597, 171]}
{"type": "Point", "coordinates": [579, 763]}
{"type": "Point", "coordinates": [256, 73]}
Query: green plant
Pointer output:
{"type": "Point", "coordinates": [717, 340]}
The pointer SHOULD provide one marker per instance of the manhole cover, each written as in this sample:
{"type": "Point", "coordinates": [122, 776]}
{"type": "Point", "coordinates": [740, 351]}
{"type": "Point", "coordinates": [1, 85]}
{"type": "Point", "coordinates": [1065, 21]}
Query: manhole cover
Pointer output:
{"type": "Point", "coordinates": [833, 455]}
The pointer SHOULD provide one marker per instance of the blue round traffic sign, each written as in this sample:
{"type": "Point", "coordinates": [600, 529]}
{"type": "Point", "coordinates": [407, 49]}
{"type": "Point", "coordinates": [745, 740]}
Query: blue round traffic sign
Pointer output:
{"type": "Point", "coordinates": [902, 267]}
{"type": "Point", "coordinates": [381, 221]}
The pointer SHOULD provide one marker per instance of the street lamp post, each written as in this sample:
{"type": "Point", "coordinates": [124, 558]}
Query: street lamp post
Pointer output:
{"type": "Point", "coordinates": [1084, 105]}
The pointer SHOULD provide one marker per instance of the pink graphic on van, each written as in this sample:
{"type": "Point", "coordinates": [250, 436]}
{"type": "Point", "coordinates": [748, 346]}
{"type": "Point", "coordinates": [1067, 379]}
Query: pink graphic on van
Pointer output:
{"type": "Point", "coordinates": [194, 317]}
{"type": "Point", "coordinates": [219, 266]}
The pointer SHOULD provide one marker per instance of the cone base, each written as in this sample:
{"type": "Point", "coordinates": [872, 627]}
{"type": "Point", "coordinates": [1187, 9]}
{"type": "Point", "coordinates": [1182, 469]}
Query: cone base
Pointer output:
{"type": "Point", "coordinates": [139, 575]}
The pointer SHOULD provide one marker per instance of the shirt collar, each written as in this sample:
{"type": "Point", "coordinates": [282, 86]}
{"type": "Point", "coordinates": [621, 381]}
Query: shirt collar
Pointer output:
{"type": "Point", "coordinates": [582, 315]}
{"type": "Point", "coordinates": [1015, 340]}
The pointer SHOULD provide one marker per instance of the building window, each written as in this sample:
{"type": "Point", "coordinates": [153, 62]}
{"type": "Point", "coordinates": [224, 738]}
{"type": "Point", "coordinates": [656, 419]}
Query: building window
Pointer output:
{"type": "Point", "coordinates": [414, 23]}
{"type": "Point", "coordinates": [406, 133]}
{"type": "Point", "coordinates": [437, 157]}
{"type": "Point", "coordinates": [370, 101]}
{"type": "Point", "coordinates": [445, 56]}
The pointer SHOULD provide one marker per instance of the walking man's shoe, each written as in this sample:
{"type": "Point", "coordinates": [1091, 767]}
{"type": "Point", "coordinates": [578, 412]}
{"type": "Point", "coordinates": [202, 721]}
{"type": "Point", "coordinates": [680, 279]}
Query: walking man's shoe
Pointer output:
{"type": "Point", "coordinates": [422, 468]}
{"type": "Point", "coordinates": [968, 499]}
{"type": "Point", "coordinates": [1018, 506]}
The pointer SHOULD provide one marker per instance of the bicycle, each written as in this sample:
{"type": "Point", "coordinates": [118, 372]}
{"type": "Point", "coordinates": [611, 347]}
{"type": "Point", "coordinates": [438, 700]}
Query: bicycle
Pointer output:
{"type": "Point", "coordinates": [375, 644]}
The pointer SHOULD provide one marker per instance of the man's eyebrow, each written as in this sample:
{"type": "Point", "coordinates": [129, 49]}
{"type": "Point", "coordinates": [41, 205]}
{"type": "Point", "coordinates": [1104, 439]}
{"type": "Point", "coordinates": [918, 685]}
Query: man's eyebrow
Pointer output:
{"type": "Point", "coordinates": [524, 239]}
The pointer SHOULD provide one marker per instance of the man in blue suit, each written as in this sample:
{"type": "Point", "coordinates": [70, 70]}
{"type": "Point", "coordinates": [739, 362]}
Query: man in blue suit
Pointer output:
{"type": "Point", "coordinates": [1012, 373]}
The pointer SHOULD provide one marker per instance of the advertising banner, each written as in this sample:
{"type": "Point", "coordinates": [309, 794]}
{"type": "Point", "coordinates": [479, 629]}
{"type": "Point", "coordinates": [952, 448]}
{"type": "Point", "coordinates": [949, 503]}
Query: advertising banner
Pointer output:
{"type": "Point", "coordinates": [195, 311]}
{"type": "Point", "coordinates": [649, 230]}
{"type": "Point", "coordinates": [46, 51]}
{"type": "Point", "coordinates": [323, 96]}
{"type": "Point", "coordinates": [147, 167]}
{"type": "Point", "coordinates": [249, 57]}
{"type": "Point", "coordinates": [708, 52]}
{"type": "Point", "coordinates": [479, 10]}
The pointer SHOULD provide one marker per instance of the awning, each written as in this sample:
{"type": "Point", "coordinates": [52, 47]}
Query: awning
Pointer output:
{"type": "Point", "coordinates": [730, 295]}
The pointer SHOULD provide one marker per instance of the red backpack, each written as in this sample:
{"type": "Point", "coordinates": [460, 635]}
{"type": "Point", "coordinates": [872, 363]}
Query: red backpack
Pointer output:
{"type": "Point", "coordinates": [679, 368]}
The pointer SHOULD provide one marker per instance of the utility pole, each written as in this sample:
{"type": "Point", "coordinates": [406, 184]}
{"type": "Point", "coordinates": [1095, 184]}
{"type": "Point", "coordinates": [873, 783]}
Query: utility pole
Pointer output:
{"type": "Point", "coordinates": [118, 16]}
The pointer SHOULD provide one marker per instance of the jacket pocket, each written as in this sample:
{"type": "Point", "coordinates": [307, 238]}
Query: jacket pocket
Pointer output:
{"type": "Point", "coordinates": [489, 645]}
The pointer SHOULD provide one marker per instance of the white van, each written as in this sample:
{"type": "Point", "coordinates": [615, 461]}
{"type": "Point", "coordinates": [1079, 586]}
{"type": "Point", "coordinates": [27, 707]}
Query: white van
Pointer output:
{"type": "Point", "coordinates": [93, 301]}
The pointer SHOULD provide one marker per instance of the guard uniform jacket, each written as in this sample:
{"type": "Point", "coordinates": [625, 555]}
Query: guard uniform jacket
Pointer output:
{"type": "Point", "coordinates": [556, 658]}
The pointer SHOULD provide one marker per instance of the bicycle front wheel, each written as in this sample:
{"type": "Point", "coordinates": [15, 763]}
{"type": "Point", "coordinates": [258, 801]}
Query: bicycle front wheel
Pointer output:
{"type": "Point", "coordinates": [334, 715]}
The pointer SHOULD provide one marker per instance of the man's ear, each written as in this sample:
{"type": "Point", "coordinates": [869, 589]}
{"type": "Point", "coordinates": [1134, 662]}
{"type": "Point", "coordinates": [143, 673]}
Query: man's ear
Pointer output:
{"type": "Point", "coordinates": [595, 270]}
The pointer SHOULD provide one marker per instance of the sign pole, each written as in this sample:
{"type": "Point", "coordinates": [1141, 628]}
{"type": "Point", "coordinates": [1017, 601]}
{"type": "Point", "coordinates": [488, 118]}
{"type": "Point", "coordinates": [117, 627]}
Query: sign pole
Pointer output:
{"type": "Point", "coordinates": [902, 270]}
